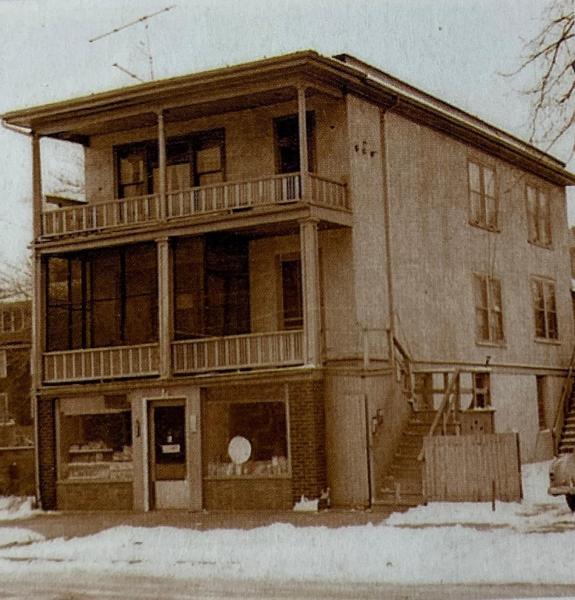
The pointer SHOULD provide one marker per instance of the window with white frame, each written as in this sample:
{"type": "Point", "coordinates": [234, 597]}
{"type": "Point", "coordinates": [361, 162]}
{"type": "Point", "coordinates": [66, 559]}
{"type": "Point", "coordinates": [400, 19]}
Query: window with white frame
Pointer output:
{"type": "Point", "coordinates": [538, 216]}
{"type": "Point", "coordinates": [482, 195]}
{"type": "Point", "coordinates": [544, 309]}
{"type": "Point", "coordinates": [3, 364]}
{"type": "Point", "coordinates": [481, 390]}
{"type": "Point", "coordinates": [488, 309]}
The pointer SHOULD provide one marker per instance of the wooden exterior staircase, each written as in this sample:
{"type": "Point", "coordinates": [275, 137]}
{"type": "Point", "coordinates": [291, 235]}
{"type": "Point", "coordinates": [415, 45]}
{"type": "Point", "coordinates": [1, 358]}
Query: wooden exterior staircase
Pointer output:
{"type": "Point", "coordinates": [564, 426]}
{"type": "Point", "coordinates": [403, 487]}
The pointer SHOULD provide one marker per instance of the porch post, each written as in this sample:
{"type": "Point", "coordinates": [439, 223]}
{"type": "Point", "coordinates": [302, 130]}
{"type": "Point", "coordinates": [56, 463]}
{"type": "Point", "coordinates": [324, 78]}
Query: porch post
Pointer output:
{"type": "Point", "coordinates": [310, 291]}
{"type": "Point", "coordinates": [164, 306]}
{"type": "Point", "coordinates": [36, 187]}
{"type": "Point", "coordinates": [37, 322]}
{"type": "Point", "coordinates": [302, 133]}
{"type": "Point", "coordinates": [162, 164]}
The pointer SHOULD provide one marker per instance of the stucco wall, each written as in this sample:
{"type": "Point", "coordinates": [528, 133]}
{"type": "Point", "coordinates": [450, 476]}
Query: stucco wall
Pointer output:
{"type": "Point", "coordinates": [436, 250]}
{"type": "Point", "coordinates": [249, 143]}
{"type": "Point", "coordinates": [514, 398]}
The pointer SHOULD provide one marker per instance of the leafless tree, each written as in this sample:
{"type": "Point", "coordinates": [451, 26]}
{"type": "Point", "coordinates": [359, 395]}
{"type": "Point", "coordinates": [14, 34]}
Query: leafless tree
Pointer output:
{"type": "Point", "coordinates": [551, 55]}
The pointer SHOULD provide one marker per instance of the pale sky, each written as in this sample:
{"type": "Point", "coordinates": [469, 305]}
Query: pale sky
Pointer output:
{"type": "Point", "coordinates": [454, 49]}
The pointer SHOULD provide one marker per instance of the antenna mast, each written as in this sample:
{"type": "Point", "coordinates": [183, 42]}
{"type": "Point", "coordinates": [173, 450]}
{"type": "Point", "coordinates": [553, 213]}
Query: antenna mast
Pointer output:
{"type": "Point", "coordinates": [143, 47]}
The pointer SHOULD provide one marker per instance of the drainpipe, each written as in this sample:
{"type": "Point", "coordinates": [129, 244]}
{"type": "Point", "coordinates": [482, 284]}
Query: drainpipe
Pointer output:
{"type": "Point", "coordinates": [387, 214]}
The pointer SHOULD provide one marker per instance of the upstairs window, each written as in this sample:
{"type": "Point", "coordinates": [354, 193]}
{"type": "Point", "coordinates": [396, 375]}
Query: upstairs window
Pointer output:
{"type": "Point", "coordinates": [292, 298]}
{"type": "Point", "coordinates": [3, 364]}
{"type": "Point", "coordinates": [287, 143]}
{"type": "Point", "coordinates": [545, 309]}
{"type": "Point", "coordinates": [482, 195]}
{"type": "Point", "coordinates": [488, 309]}
{"type": "Point", "coordinates": [538, 216]}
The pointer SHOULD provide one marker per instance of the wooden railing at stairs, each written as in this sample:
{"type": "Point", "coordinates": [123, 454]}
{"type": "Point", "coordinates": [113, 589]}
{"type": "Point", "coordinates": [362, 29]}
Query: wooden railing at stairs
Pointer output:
{"type": "Point", "coordinates": [564, 404]}
{"type": "Point", "coordinates": [449, 409]}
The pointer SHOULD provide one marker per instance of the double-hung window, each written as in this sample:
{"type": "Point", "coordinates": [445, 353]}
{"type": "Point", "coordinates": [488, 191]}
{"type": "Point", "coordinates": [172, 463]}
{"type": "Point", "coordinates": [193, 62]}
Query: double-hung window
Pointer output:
{"type": "Point", "coordinates": [538, 216]}
{"type": "Point", "coordinates": [544, 309]}
{"type": "Point", "coordinates": [488, 309]}
{"type": "Point", "coordinates": [482, 195]}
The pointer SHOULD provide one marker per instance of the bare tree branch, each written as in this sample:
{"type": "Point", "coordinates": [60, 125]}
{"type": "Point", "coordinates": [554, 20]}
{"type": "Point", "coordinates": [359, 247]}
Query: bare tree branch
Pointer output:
{"type": "Point", "coordinates": [551, 55]}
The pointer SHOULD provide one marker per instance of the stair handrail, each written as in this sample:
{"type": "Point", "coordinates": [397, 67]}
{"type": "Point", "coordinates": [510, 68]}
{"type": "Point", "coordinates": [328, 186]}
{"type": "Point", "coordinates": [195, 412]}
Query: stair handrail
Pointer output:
{"type": "Point", "coordinates": [563, 406]}
{"type": "Point", "coordinates": [406, 362]}
{"type": "Point", "coordinates": [449, 406]}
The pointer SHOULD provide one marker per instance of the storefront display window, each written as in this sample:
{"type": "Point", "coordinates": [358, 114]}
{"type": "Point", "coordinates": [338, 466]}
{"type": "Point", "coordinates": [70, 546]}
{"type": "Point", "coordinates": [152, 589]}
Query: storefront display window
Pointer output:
{"type": "Point", "coordinates": [96, 446]}
{"type": "Point", "coordinates": [246, 439]}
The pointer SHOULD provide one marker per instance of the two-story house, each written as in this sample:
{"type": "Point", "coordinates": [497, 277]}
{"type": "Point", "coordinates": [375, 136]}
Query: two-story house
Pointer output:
{"type": "Point", "coordinates": [276, 264]}
{"type": "Point", "coordinates": [16, 418]}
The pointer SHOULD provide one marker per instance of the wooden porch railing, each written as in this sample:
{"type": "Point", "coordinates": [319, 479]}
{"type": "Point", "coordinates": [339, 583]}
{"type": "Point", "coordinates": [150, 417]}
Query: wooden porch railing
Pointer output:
{"type": "Point", "coordinates": [448, 410]}
{"type": "Point", "coordinates": [228, 196]}
{"type": "Point", "coordinates": [101, 363]}
{"type": "Point", "coordinates": [254, 350]}
{"type": "Point", "coordinates": [327, 192]}
{"type": "Point", "coordinates": [234, 195]}
{"type": "Point", "coordinates": [564, 404]}
{"type": "Point", "coordinates": [105, 215]}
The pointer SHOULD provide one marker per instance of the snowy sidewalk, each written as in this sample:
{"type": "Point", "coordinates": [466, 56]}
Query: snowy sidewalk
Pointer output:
{"type": "Point", "coordinates": [528, 542]}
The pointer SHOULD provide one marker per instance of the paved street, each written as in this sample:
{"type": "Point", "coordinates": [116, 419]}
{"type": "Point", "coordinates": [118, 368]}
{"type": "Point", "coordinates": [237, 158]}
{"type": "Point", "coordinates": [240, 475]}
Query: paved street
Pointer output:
{"type": "Point", "coordinates": [84, 586]}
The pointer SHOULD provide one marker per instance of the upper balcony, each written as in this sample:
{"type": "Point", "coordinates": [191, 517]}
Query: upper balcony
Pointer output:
{"type": "Point", "coordinates": [227, 198]}
{"type": "Point", "coordinates": [263, 144]}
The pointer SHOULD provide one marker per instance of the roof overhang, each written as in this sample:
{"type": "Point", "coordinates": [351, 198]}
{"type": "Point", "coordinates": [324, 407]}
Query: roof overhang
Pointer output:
{"type": "Point", "coordinates": [270, 81]}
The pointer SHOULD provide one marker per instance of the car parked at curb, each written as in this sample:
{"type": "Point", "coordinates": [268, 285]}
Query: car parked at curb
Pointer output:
{"type": "Point", "coordinates": [562, 478]}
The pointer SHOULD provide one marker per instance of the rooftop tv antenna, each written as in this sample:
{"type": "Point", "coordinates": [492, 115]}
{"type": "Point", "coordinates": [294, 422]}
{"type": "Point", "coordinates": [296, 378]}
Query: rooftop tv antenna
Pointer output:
{"type": "Point", "coordinates": [143, 46]}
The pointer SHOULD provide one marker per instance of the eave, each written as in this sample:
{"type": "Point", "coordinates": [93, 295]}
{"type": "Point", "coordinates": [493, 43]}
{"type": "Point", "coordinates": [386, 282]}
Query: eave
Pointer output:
{"type": "Point", "coordinates": [272, 80]}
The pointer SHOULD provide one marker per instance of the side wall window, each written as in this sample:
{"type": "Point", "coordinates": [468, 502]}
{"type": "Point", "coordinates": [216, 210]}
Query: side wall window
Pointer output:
{"type": "Point", "coordinates": [538, 216]}
{"type": "Point", "coordinates": [482, 195]}
{"type": "Point", "coordinates": [488, 309]}
{"type": "Point", "coordinates": [544, 309]}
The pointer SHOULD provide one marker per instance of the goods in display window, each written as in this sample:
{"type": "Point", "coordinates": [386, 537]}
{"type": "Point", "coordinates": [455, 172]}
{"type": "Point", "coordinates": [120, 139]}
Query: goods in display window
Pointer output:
{"type": "Point", "coordinates": [246, 439]}
{"type": "Point", "coordinates": [96, 447]}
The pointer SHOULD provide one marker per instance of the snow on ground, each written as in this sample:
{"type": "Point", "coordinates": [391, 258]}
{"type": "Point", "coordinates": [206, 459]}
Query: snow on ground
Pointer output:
{"type": "Point", "coordinates": [16, 507]}
{"type": "Point", "coordinates": [528, 542]}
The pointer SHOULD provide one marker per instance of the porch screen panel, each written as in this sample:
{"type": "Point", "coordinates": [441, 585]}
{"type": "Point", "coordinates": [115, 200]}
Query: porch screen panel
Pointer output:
{"type": "Point", "coordinates": [106, 301]}
{"type": "Point", "coordinates": [57, 305]}
{"type": "Point", "coordinates": [227, 295]}
{"type": "Point", "coordinates": [188, 288]}
{"type": "Point", "coordinates": [141, 295]}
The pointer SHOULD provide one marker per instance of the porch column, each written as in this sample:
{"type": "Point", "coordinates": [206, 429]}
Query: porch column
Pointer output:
{"type": "Point", "coordinates": [310, 291]}
{"type": "Point", "coordinates": [302, 133]}
{"type": "Point", "coordinates": [36, 187]}
{"type": "Point", "coordinates": [164, 306]}
{"type": "Point", "coordinates": [38, 317]}
{"type": "Point", "coordinates": [162, 165]}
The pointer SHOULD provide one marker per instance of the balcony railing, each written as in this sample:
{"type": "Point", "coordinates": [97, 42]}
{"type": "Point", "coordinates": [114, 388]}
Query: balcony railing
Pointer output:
{"type": "Point", "coordinates": [220, 197]}
{"type": "Point", "coordinates": [101, 363]}
{"type": "Point", "coordinates": [255, 350]}
{"type": "Point", "coordinates": [104, 215]}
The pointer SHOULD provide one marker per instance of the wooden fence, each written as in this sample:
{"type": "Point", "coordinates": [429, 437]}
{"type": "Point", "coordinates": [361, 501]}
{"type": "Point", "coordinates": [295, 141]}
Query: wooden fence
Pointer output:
{"type": "Point", "coordinates": [472, 468]}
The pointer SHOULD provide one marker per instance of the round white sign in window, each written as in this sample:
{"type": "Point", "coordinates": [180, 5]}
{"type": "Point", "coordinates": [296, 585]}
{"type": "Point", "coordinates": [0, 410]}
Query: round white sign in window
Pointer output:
{"type": "Point", "coordinates": [239, 450]}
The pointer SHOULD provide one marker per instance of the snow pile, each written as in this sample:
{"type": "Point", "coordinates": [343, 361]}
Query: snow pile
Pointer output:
{"type": "Point", "coordinates": [16, 507]}
{"type": "Point", "coordinates": [537, 512]}
{"type": "Point", "coordinates": [12, 536]}
{"type": "Point", "coordinates": [528, 542]}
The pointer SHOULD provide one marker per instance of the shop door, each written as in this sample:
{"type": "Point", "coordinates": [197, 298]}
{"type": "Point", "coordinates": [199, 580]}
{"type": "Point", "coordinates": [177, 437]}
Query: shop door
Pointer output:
{"type": "Point", "coordinates": [168, 455]}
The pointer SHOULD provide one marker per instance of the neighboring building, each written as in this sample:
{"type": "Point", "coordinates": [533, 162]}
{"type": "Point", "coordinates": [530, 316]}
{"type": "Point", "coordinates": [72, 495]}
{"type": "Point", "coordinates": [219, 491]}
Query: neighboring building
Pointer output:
{"type": "Point", "coordinates": [16, 422]}
{"type": "Point", "coordinates": [247, 235]}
